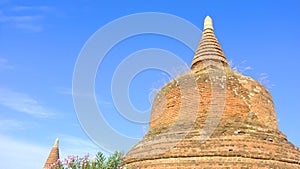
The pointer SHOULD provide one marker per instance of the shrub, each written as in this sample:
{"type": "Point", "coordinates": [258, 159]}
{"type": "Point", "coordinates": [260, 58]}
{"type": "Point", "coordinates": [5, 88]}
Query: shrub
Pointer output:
{"type": "Point", "coordinates": [98, 162]}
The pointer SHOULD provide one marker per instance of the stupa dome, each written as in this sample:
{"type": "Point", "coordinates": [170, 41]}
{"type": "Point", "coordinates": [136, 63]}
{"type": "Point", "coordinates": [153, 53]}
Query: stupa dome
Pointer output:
{"type": "Point", "coordinates": [213, 117]}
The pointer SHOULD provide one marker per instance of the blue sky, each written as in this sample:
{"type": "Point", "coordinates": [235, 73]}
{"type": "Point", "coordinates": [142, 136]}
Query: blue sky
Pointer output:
{"type": "Point", "coordinates": [41, 40]}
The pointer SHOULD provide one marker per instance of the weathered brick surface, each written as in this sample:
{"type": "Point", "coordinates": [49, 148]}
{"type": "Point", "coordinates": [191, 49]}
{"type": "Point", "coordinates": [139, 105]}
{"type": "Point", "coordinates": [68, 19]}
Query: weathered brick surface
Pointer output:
{"type": "Point", "coordinates": [53, 156]}
{"type": "Point", "coordinates": [213, 117]}
{"type": "Point", "coordinates": [247, 135]}
{"type": "Point", "coordinates": [214, 162]}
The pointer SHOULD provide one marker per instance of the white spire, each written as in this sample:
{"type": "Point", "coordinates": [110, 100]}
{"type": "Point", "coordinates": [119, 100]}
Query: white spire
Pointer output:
{"type": "Point", "coordinates": [56, 143]}
{"type": "Point", "coordinates": [208, 23]}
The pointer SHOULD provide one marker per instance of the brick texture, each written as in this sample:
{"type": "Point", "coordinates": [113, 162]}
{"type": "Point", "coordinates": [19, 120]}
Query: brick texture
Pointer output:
{"type": "Point", "coordinates": [246, 136]}
{"type": "Point", "coordinates": [213, 117]}
{"type": "Point", "coordinates": [53, 156]}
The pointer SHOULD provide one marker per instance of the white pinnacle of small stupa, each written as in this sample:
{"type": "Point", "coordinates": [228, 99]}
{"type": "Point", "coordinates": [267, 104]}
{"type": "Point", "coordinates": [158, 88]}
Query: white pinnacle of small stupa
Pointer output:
{"type": "Point", "coordinates": [56, 143]}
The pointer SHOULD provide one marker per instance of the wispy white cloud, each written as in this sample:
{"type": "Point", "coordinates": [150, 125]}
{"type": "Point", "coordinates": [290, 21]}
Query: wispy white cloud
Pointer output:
{"type": "Point", "coordinates": [18, 19]}
{"type": "Point", "coordinates": [31, 27]}
{"type": "Point", "coordinates": [11, 124]}
{"type": "Point", "coordinates": [23, 103]}
{"type": "Point", "coordinates": [25, 22]}
{"type": "Point", "coordinates": [30, 8]}
{"type": "Point", "coordinates": [16, 154]}
{"type": "Point", "coordinates": [8, 125]}
{"type": "Point", "coordinates": [4, 64]}
{"type": "Point", "coordinates": [25, 17]}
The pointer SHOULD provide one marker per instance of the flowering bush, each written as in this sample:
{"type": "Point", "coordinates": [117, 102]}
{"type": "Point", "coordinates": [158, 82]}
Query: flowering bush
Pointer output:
{"type": "Point", "coordinates": [98, 162]}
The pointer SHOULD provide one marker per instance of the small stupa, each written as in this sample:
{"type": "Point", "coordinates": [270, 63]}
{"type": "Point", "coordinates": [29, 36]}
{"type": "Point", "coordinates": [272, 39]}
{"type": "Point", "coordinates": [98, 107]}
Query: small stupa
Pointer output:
{"type": "Point", "coordinates": [213, 117]}
{"type": "Point", "coordinates": [53, 156]}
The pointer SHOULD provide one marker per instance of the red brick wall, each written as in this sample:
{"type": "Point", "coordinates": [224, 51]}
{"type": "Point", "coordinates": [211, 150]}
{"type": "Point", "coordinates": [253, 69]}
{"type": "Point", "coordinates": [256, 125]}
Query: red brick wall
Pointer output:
{"type": "Point", "coordinates": [246, 135]}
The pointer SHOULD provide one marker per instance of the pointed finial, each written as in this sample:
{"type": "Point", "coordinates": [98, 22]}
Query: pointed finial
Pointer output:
{"type": "Point", "coordinates": [56, 143]}
{"type": "Point", "coordinates": [208, 49]}
{"type": "Point", "coordinates": [208, 23]}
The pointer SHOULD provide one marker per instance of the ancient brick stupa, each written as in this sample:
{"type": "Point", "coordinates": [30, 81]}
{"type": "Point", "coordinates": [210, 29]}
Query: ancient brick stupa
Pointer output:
{"type": "Point", "coordinates": [213, 117]}
{"type": "Point", "coordinates": [53, 156]}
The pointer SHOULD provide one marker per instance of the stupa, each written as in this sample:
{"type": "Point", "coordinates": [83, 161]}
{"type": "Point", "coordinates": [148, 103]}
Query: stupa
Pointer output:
{"type": "Point", "coordinates": [53, 156]}
{"type": "Point", "coordinates": [213, 117]}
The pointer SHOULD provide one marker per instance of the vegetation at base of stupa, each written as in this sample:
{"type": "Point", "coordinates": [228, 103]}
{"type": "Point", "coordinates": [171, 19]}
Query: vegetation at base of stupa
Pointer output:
{"type": "Point", "coordinates": [99, 161]}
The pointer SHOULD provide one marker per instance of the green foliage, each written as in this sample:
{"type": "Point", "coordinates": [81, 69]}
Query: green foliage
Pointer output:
{"type": "Point", "coordinates": [114, 161]}
{"type": "Point", "coordinates": [100, 161]}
